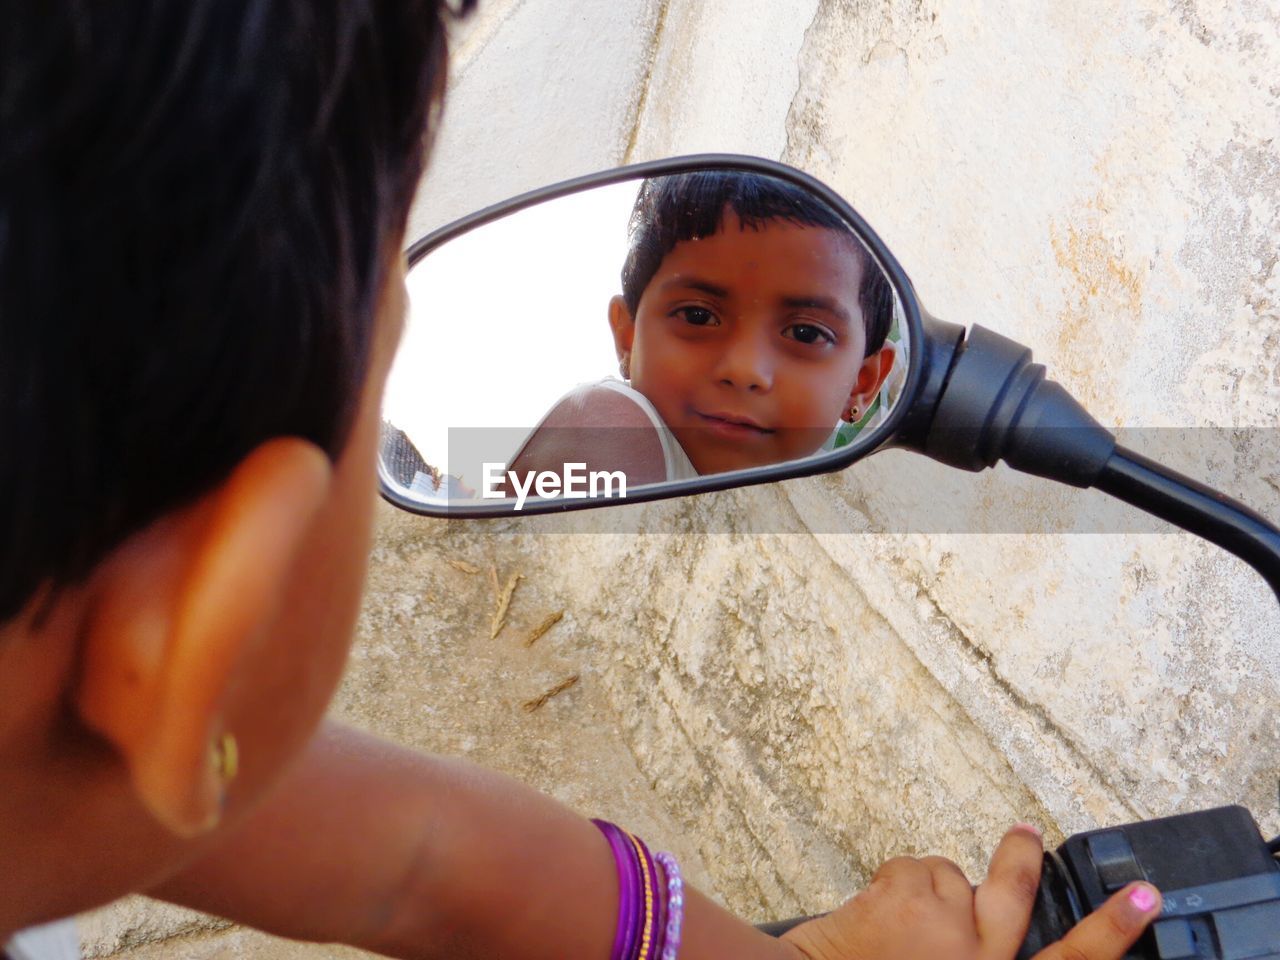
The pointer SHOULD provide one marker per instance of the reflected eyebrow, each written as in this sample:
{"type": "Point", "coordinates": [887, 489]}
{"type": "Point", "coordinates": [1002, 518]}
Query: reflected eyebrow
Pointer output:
{"type": "Point", "coordinates": [693, 283]}
{"type": "Point", "coordinates": [827, 304]}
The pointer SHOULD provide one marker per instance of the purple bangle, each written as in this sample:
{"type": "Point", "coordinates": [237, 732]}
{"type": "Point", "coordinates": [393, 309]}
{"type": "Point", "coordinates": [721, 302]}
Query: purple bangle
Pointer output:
{"type": "Point", "coordinates": [675, 905]}
{"type": "Point", "coordinates": [626, 937]}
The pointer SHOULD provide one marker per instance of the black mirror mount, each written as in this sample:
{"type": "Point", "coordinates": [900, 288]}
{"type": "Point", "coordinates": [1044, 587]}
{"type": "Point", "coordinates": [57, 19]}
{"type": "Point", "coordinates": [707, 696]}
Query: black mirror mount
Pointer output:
{"type": "Point", "coordinates": [993, 403]}
{"type": "Point", "coordinates": [997, 405]}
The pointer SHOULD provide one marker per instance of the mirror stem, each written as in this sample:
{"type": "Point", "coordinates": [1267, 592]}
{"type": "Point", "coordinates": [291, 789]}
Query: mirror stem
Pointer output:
{"type": "Point", "coordinates": [996, 405]}
{"type": "Point", "coordinates": [1201, 510]}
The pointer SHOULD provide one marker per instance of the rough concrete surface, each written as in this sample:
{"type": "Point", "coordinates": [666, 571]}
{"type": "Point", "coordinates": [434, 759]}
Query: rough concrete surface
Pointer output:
{"type": "Point", "coordinates": [923, 656]}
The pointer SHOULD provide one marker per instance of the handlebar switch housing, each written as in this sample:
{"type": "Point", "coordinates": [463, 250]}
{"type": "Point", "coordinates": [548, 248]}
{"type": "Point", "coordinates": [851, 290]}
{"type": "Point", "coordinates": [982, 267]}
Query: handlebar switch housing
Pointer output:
{"type": "Point", "coordinates": [1218, 877]}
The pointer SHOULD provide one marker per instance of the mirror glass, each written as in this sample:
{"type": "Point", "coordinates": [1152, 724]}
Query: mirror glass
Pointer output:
{"type": "Point", "coordinates": [638, 333]}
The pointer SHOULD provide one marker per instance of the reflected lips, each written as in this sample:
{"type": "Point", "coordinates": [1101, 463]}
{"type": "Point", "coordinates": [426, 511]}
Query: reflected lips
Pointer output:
{"type": "Point", "coordinates": [732, 426]}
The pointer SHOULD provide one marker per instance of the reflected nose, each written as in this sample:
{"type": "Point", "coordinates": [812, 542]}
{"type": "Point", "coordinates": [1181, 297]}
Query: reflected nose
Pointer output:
{"type": "Point", "coordinates": [747, 363]}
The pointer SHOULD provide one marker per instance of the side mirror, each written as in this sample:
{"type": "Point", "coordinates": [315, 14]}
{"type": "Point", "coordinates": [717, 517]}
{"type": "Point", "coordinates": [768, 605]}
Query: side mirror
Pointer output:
{"type": "Point", "coordinates": [647, 332]}
{"type": "Point", "coordinates": [708, 322]}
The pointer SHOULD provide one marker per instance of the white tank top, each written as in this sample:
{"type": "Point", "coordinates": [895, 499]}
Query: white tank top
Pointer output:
{"type": "Point", "coordinates": [53, 941]}
{"type": "Point", "coordinates": [675, 461]}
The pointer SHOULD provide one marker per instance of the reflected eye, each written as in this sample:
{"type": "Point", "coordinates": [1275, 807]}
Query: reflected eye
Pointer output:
{"type": "Point", "coordinates": [809, 333]}
{"type": "Point", "coordinates": [696, 316]}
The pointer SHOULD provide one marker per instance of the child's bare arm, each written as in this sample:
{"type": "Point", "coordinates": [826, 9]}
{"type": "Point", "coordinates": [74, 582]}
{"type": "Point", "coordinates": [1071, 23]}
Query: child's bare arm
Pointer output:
{"type": "Point", "coordinates": [413, 855]}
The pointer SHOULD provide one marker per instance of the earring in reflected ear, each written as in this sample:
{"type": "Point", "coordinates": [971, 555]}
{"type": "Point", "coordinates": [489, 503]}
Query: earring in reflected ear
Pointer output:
{"type": "Point", "coordinates": [851, 415]}
{"type": "Point", "coordinates": [226, 759]}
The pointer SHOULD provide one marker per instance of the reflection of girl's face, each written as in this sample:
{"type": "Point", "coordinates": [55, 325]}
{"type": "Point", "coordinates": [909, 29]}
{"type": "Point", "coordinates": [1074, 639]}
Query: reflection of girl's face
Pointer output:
{"type": "Point", "coordinates": [749, 341]}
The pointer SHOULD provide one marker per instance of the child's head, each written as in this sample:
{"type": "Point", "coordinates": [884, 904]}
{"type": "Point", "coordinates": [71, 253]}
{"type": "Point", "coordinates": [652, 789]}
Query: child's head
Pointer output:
{"type": "Point", "coordinates": [751, 316]}
{"type": "Point", "coordinates": [201, 210]}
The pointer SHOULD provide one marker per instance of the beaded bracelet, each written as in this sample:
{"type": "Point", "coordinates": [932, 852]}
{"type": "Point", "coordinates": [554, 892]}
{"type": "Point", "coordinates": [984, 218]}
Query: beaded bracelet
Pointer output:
{"type": "Point", "coordinates": [675, 905]}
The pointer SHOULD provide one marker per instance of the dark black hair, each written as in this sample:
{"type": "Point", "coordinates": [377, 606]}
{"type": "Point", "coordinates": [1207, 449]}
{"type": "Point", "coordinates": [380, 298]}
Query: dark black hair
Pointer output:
{"type": "Point", "coordinates": [197, 199]}
{"type": "Point", "coordinates": [691, 206]}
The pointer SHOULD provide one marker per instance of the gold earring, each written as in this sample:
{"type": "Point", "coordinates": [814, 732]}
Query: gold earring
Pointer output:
{"type": "Point", "coordinates": [852, 413]}
{"type": "Point", "coordinates": [226, 758]}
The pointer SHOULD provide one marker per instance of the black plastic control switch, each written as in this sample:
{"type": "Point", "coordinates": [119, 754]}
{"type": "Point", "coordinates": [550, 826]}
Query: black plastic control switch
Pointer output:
{"type": "Point", "coordinates": [1114, 860]}
{"type": "Point", "coordinates": [1174, 940]}
{"type": "Point", "coordinates": [1250, 931]}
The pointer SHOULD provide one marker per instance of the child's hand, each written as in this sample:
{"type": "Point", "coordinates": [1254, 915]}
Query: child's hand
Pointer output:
{"type": "Point", "coordinates": [926, 909]}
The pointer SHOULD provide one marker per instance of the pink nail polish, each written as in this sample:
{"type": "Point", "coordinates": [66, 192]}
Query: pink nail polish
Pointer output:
{"type": "Point", "coordinates": [1029, 827]}
{"type": "Point", "coordinates": [1142, 898]}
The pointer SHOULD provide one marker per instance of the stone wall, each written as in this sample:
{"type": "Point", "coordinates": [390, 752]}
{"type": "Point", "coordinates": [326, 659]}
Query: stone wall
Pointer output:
{"type": "Point", "coordinates": [898, 658]}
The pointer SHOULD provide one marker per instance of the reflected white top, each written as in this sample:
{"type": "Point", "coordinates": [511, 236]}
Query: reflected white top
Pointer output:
{"type": "Point", "coordinates": [676, 463]}
{"type": "Point", "coordinates": [53, 941]}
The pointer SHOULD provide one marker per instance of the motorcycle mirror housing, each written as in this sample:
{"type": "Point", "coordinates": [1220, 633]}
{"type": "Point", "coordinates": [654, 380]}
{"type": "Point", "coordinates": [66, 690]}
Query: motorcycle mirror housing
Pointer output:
{"type": "Point", "coordinates": [757, 292]}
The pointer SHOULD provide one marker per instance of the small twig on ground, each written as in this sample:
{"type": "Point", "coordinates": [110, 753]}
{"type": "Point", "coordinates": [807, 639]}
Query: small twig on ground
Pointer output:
{"type": "Point", "coordinates": [463, 566]}
{"type": "Point", "coordinates": [504, 601]}
{"type": "Point", "coordinates": [538, 702]}
{"type": "Point", "coordinates": [543, 627]}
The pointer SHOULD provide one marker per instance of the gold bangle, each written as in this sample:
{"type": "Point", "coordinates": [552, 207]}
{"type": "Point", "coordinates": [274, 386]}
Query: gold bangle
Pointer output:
{"type": "Point", "coordinates": [647, 936]}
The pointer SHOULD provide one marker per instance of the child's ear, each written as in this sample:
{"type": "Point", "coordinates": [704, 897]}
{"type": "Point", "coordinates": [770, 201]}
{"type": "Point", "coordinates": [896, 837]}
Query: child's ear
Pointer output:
{"type": "Point", "coordinates": [872, 374]}
{"type": "Point", "coordinates": [174, 615]}
{"type": "Point", "coordinates": [623, 326]}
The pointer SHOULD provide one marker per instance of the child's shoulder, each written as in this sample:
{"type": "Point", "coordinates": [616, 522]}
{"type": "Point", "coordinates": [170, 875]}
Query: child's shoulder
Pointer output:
{"type": "Point", "coordinates": [605, 403]}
